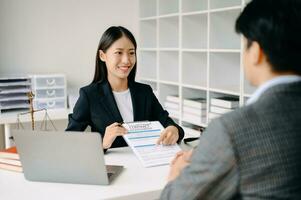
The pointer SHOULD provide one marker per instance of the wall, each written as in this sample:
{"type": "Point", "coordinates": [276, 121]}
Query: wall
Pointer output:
{"type": "Point", "coordinates": [58, 36]}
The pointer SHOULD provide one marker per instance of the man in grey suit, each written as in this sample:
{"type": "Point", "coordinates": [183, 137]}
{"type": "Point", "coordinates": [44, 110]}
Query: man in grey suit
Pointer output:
{"type": "Point", "coordinates": [253, 152]}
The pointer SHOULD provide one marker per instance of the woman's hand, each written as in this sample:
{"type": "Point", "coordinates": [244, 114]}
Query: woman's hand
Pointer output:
{"type": "Point", "coordinates": [112, 131]}
{"type": "Point", "coordinates": [169, 136]}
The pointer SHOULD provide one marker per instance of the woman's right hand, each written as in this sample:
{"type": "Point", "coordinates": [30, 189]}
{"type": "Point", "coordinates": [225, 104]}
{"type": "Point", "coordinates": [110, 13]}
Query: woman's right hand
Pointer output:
{"type": "Point", "coordinates": [112, 131]}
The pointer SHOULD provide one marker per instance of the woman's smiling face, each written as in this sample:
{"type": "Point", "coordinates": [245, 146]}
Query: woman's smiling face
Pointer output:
{"type": "Point", "coordinates": [120, 58]}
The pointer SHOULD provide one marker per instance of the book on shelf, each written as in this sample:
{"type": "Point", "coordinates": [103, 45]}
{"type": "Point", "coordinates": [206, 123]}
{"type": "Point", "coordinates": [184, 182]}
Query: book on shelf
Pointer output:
{"type": "Point", "coordinates": [195, 102]}
{"type": "Point", "coordinates": [213, 115]}
{"type": "Point", "coordinates": [173, 98]}
{"type": "Point", "coordinates": [226, 102]}
{"type": "Point", "coordinates": [219, 110]}
{"type": "Point", "coordinates": [195, 111]}
{"type": "Point", "coordinates": [171, 105]}
{"type": "Point", "coordinates": [173, 113]}
{"type": "Point", "coordinates": [193, 119]}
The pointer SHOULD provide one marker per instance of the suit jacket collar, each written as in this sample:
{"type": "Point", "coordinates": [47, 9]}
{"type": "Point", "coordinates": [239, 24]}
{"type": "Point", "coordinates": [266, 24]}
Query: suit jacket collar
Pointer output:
{"type": "Point", "coordinates": [280, 80]}
{"type": "Point", "coordinates": [138, 101]}
{"type": "Point", "coordinates": [109, 103]}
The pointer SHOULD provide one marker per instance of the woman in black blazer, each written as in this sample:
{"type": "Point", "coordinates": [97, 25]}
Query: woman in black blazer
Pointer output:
{"type": "Point", "coordinates": [114, 97]}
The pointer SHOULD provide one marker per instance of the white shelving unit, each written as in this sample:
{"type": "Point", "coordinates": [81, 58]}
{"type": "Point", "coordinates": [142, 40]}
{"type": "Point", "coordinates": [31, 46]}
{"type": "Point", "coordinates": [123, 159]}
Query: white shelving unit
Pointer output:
{"type": "Point", "coordinates": [189, 48]}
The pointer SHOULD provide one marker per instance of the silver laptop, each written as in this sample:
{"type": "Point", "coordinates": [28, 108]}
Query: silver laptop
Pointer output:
{"type": "Point", "coordinates": [64, 157]}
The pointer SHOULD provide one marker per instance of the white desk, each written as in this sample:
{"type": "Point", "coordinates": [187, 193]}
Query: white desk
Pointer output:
{"type": "Point", "coordinates": [135, 182]}
{"type": "Point", "coordinates": [11, 118]}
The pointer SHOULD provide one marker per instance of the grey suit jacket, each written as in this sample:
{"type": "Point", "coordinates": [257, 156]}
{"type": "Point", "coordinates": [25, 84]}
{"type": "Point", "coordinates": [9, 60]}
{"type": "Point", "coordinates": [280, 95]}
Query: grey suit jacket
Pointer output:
{"type": "Point", "coordinates": [251, 153]}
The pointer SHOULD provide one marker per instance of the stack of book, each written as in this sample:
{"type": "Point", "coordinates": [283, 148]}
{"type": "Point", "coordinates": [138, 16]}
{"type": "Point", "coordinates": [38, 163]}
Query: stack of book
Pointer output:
{"type": "Point", "coordinates": [194, 110]}
{"type": "Point", "coordinates": [10, 160]}
{"type": "Point", "coordinates": [222, 105]}
{"type": "Point", "coordinates": [172, 105]}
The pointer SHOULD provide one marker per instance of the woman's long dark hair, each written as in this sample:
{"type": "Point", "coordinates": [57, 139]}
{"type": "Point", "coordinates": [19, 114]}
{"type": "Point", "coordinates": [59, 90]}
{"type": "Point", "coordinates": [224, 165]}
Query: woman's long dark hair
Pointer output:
{"type": "Point", "coordinates": [107, 39]}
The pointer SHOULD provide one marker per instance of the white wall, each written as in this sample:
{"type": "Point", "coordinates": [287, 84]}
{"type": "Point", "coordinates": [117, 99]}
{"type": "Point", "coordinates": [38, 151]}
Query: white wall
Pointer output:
{"type": "Point", "coordinates": [58, 36]}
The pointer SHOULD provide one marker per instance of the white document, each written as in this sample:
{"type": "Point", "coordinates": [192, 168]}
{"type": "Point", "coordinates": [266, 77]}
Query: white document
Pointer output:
{"type": "Point", "coordinates": [142, 138]}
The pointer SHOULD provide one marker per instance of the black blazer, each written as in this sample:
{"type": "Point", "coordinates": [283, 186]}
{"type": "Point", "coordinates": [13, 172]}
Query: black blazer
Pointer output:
{"type": "Point", "coordinates": [97, 108]}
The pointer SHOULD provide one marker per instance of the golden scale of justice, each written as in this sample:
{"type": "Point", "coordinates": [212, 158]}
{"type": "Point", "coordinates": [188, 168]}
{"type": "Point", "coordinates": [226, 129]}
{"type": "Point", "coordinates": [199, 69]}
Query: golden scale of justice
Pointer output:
{"type": "Point", "coordinates": [31, 112]}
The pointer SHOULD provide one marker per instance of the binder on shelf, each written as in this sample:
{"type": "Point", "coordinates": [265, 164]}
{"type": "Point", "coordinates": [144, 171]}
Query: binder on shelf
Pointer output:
{"type": "Point", "coordinates": [195, 111]}
{"type": "Point", "coordinates": [219, 110]}
{"type": "Point", "coordinates": [213, 115]}
{"type": "Point", "coordinates": [226, 102]}
{"type": "Point", "coordinates": [173, 98]}
{"type": "Point", "coordinates": [173, 113]}
{"type": "Point", "coordinates": [195, 102]}
{"type": "Point", "coordinates": [171, 105]}
{"type": "Point", "coordinates": [194, 119]}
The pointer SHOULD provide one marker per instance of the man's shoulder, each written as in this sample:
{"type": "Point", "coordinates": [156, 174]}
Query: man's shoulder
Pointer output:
{"type": "Point", "coordinates": [242, 117]}
{"type": "Point", "coordinates": [283, 96]}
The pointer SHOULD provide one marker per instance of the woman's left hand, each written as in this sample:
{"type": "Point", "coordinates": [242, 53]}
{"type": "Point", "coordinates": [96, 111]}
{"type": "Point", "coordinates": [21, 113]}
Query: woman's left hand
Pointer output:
{"type": "Point", "coordinates": [169, 136]}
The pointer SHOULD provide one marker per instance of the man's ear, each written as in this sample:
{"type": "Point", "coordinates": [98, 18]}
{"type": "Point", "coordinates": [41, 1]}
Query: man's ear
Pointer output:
{"type": "Point", "coordinates": [102, 56]}
{"type": "Point", "coordinates": [257, 54]}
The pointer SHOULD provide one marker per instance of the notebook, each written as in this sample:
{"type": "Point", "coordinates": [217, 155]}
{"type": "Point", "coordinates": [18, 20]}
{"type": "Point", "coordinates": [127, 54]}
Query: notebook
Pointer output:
{"type": "Point", "coordinates": [64, 157]}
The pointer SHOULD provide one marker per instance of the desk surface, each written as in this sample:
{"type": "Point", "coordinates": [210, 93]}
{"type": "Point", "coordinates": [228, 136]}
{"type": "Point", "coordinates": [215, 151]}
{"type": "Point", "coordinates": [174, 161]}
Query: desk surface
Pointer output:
{"type": "Point", "coordinates": [134, 180]}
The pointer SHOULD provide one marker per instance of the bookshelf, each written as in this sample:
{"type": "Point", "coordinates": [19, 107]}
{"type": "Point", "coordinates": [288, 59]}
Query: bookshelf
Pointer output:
{"type": "Point", "coordinates": [189, 48]}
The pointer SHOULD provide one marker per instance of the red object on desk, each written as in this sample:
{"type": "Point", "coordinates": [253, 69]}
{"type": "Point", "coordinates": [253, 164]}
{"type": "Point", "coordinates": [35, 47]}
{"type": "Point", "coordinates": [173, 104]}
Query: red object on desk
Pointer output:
{"type": "Point", "coordinates": [10, 160]}
{"type": "Point", "coordinates": [9, 153]}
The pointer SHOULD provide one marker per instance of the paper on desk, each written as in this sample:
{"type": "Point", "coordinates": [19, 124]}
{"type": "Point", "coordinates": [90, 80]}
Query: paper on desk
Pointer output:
{"type": "Point", "coordinates": [142, 138]}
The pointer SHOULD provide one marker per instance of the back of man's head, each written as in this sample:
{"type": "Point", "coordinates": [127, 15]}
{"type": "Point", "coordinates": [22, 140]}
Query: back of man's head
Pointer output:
{"type": "Point", "coordinates": [276, 26]}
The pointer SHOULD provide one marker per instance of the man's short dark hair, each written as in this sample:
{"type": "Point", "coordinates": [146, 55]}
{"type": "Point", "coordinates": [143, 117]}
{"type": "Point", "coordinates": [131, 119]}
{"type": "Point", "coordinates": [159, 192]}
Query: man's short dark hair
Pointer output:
{"type": "Point", "coordinates": [276, 26]}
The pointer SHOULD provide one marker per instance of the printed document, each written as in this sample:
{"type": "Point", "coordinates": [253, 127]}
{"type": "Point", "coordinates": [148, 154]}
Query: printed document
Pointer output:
{"type": "Point", "coordinates": [142, 138]}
